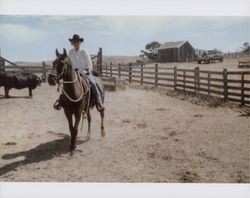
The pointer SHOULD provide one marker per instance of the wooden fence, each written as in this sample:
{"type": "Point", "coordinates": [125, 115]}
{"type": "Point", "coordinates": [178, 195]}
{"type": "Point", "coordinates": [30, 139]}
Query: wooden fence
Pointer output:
{"type": "Point", "coordinates": [32, 69]}
{"type": "Point", "coordinates": [227, 85]}
{"type": "Point", "coordinates": [230, 55]}
{"type": "Point", "coordinates": [45, 68]}
{"type": "Point", "coordinates": [244, 64]}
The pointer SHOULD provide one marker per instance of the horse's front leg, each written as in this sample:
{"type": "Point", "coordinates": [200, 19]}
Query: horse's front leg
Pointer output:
{"type": "Point", "coordinates": [71, 129]}
{"type": "Point", "coordinates": [77, 121]}
{"type": "Point", "coordinates": [102, 124]}
{"type": "Point", "coordinates": [89, 124]}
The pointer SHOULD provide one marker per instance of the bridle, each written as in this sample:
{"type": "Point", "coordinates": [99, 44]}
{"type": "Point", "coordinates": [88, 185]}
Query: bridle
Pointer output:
{"type": "Point", "coordinates": [60, 76]}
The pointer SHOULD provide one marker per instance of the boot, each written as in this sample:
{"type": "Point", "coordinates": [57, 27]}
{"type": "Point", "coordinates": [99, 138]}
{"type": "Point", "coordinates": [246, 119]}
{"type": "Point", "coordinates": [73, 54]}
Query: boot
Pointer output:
{"type": "Point", "coordinates": [57, 105]}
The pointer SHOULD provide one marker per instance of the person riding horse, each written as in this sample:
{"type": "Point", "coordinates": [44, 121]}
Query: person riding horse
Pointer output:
{"type": "Point", "coordinates": [82, 62]}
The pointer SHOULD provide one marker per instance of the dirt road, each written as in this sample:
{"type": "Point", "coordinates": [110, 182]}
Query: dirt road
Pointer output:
{"type": "Point", "coordinates": [150, 137]}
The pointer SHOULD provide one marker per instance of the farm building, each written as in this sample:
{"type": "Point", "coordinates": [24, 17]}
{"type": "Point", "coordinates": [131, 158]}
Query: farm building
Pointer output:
{"type": "Point", "coordinates": [180, 51]}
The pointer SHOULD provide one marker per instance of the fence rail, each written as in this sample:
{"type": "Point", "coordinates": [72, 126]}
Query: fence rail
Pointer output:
{"type": "Point", "coordinates": [45, 68]}
{"type": "Point", "coordinates": [244, 64]}
{"type": "Point", "coordinates": [236, 55]}
{"type": "Point", "coordinates": [227, 85]}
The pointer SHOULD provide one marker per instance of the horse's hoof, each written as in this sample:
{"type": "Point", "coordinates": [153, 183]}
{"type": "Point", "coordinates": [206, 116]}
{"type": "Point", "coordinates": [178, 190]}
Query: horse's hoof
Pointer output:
{"type": "Point", "coordinates": [57, 105]}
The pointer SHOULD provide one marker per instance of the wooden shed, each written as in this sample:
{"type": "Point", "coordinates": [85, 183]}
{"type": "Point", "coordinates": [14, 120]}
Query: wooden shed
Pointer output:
{"type": "Point", "coordinates": [180, 51]}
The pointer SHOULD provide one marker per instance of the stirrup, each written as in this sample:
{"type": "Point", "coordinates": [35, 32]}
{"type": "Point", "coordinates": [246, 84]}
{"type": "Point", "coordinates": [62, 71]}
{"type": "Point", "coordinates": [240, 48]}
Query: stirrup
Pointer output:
{"type": "Point", "coordinates": [57, 105]}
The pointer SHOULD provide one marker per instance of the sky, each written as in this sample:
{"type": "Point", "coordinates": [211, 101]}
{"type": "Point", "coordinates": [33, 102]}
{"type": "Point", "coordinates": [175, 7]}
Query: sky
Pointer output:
{"type": "Point", "coordinates": [35, 38]}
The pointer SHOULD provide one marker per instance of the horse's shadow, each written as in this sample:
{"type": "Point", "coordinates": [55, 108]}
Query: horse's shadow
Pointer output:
{"type": "Point", "coordinates": [42, 152]}
{"type": "Point", "coordinates": [2, 97]}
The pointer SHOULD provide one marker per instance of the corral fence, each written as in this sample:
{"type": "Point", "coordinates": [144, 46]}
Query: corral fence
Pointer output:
{"type": "Point", "coordinates": [45, 68]}
{"type": "Point", "coordinates": [236, 55]}
{"type": "Point", "coordinates": [244, 64]}
{"type": "Point", "coordinates": [227, 85]}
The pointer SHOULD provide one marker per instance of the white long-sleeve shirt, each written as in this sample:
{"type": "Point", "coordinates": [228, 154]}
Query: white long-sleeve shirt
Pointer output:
{"type": "Point", "coordinates": [81, 59]}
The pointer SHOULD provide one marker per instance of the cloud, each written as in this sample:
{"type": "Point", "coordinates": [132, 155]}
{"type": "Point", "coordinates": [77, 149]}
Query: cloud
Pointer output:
{"type": "Point", "coordinates": [124, 23]}
{"type": "Point", "coordinates": [119, 34]}
{"type": "Point", "coordinates": [72, 21]}
{"type": "Point", "coordinates": [21, 33]}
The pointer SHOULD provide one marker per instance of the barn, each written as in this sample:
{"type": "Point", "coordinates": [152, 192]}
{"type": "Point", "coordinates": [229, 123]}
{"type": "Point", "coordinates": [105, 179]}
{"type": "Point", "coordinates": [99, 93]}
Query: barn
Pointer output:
{"type": "Point", "coordinates": [179, 51]}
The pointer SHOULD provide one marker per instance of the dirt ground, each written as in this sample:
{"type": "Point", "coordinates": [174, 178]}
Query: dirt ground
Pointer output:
{"type": "Point", "coordinates": [150, 137]}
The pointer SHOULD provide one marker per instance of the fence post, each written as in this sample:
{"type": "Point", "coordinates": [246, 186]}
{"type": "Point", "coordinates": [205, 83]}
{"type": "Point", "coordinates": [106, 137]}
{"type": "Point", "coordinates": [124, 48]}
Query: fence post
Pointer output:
{"type": "Point", "coordinates": [44, 72]}
{"type": "Point", "coordinates": [130, 72]}
{"type": "Point", "coordinates": [2, 64]}
{"type": "Point", "coordinates": [195, 79]}
{"type": "Point", "coordinates": [225, 84]}
{"type": "Point", "coordinates": [198, 77]}
{"type": "Point", "coordinates": [175, 78]}
{"type": "Point", "coordinates": [97, 62]}
{"type": "Point", "coordinates": [156, 75]}
{"type": "Point", "coordinates": [141, 73]}
{"type": "Point", "coordinates": [110, 69]}
{"type": "Point", "coordinates": [242, 89]}
{"type": "Point", "coordinates": [100, 60]}
{"type": "Point", "coordinates": [119, 70]}
{"type": "Point", "coordinates": [208, 83]}
{"type": "Point", "coordinates": [106, 68]}
{"type": "Point", "coordinates": [184, 80]}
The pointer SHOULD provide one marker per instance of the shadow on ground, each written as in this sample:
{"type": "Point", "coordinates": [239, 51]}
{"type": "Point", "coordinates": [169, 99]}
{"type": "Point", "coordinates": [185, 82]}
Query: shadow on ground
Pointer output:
{"type": "Point", "coordinates": [2, 97]}
{"type": "Point", "coordinates": [42, 152]}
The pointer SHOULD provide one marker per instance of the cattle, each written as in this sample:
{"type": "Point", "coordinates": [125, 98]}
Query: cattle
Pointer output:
{"type": "Point", "coordinates": [18, 80]}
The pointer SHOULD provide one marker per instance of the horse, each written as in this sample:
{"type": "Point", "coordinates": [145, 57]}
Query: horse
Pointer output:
{"type": "Point", "coordinates": [77, 99]}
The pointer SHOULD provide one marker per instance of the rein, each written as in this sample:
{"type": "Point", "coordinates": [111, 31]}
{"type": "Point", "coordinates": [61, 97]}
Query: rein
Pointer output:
{"type": "Point", "coordinates": [71, 82]}
{"type": "Point", "coordinates": [82, 91]}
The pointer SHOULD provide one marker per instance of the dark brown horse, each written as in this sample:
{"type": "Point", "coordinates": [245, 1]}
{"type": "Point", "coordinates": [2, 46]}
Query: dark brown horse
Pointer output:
{"type": "Point", "coordinates": [76, 98]}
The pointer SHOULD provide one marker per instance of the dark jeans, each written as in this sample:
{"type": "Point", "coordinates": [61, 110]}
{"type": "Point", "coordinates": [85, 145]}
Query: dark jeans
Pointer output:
{"type": "Point", "coordinates": [94, 87]}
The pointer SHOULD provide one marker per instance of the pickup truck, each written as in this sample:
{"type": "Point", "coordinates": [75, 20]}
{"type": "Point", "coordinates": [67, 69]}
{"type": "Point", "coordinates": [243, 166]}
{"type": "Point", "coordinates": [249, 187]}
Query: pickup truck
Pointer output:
{"type": "Point", "coordinates": [210, 56]}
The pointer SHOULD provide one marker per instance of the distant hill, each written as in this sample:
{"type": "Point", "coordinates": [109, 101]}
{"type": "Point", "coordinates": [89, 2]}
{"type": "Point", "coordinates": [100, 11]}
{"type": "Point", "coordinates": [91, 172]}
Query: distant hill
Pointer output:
{"type": "Point", "coordinates": [120, 59]}
{"type": "Point", "coordinates": [28, 63]}
{"type": "Point", "coordinates": [106, 59]}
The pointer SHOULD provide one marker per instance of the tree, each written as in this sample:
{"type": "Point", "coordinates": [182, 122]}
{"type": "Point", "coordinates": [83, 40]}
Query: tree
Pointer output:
{"type": "Point", "coordinates": [152, 46]}
{"type": "Point", "coordinates": [152, 50]}
{"type": "Point", "coordinates": [245, 47]}
{"type": "Point", "coordinates": [216, 50]}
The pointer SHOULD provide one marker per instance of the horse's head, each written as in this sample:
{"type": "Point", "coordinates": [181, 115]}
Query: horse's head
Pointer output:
{"type": "Point", "coordinates": [60, 64]}
{"type": "Point", "coordinates": [60, 67]}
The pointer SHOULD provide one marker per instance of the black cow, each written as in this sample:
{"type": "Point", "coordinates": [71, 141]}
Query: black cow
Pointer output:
{"type": "Point", "coordinates": [18, 80]}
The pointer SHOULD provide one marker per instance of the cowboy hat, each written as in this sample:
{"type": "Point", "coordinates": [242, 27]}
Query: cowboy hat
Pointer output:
{"type": "Point", "coordinates": [76, 37]}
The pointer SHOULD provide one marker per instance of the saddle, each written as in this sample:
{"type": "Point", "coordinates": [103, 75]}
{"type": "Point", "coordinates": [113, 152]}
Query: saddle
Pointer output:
{"type": "Point", "coordinates": [86, 87]}
{"type": "Point", "coordinates": [86, 83]}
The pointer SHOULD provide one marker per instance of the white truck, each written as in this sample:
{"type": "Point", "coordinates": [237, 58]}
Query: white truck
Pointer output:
{"type": "Point", "coordinates": [210, 56]}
